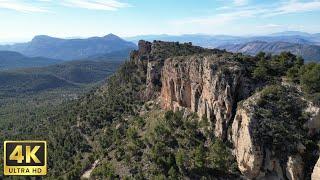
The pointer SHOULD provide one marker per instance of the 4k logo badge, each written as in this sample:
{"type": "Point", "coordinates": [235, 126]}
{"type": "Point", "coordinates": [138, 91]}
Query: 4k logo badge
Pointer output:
{"type": "Point", "coordinates": [25, 158]}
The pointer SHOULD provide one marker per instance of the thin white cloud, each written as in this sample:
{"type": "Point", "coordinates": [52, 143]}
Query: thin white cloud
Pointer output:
{"type": "Point", "coordinates": [270, 26]}
{"type": "Point", "coordinates": [222, 18]}
{"type": "Point", "coordinates": [295, 7]}
{"type": "Point", "coordinates": [106, 5]}
{"type": "Point", "coordinates": [232, 4]}
{"type": "Point", "coordinates": [232, 14]}
{"type": "Point", "coordinates": [240, 2]}
{"type": "Point", "coordinates": [20, 6]}
{"type": "Point", "coordinates": [223, 8]}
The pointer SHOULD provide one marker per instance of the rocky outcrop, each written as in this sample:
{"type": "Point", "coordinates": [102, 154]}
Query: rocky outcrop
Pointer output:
{"type": "Point", "coordinates": [249, 156]}
{"type": "Point", "coordinates": [295, 168]}
{"type": "Point", "coordinates": [211, 83]}
{"type": "Point", "coordinates": [143, 52]}
{"type": "Point", "coordinates": [314, 123]}
{"type": "Point", "coordinates": [207, 85]}
{"type": "Point", "coordinates": [152, 56]}
{"type": "Point", "coordinates": [254, 161]}
{"type": "Point", "coordinates": [316, 171]}
{"type": "Point", "coordinates": [153, 79]}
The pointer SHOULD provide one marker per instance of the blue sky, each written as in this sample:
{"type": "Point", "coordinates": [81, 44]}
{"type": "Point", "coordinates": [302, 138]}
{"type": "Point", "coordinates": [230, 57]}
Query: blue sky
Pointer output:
{"type": "Point", "coordinates": [23, 19]}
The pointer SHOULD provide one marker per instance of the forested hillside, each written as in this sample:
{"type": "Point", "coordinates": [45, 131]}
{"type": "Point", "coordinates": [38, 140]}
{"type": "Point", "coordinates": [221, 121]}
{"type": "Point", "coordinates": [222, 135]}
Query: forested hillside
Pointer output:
{"type": "Point", "coordinates": [14, 60]}
{"type": "Point", "coordinates": [29, 97]}
{"type": "Point", "coordinates": [74, 74]}
{"type": "Point", "coordinates": [181, 111]}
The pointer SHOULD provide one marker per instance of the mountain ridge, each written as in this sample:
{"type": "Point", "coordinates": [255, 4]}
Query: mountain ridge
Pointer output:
{"type": "Point", "coordinates": [308, 52]}
{"type": "Point", "coordinates": [14, 60]}
{"type": "Point", "coordinates": [292, 38]}
{"type": "Point", "coordinates": [69, 49]}
{"type": "Point", "coordinates": [288, 36]}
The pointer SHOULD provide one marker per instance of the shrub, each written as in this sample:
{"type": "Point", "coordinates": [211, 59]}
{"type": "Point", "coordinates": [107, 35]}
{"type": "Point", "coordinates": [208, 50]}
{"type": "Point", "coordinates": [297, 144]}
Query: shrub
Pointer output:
{"type": "Point", "coordinates": [279, 121]}
{"type": "Point", "coordinates": [310, 77]}
{"type": "Point", "coordinates": [105, 170]}
{"type": "Point", "coordinates": [293, 74]}
{"type": "Point", "coordinates": [180, 159]}
{"type": "Point", "coordinates": [219, 156]}
{"type": "Point", "coordinates": [199, 157]}
{"type": "Point", "coordinates": [270, 67]}
{"type": "Point", "coordinates": [316, 99]}
{"type": "Point", "coordinates": [261, 72]}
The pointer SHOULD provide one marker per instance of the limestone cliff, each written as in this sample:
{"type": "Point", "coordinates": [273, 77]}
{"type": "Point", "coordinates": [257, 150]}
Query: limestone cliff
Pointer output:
{"type": "Point", "coordinates": [249, 156]}
{"type": "Point", "coordinates": [153, 56]}
{"type": "Point", "coordinates": [211, 83]}
{"type": "Point", "coordinates": [256, 161]}
{"type": "Point", "coordinates": [206, 81]}
{"type": "Point", "coordinates": [207, 85]}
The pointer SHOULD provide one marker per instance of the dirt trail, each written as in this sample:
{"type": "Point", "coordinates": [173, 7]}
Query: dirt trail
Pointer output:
{"type": "Point", "coordinates": [87, 173]}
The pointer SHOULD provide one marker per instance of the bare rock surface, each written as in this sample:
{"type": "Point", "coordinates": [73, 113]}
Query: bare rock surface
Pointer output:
{"type": "Point", "coordinates": [254, 161]}
{"type": "Point", "coordinates": [207, 85]}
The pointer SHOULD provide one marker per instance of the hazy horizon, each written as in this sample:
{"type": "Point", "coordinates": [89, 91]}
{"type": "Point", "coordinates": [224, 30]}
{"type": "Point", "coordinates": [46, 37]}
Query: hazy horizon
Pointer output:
{"type": "Point", "coordinates": [23, 19]}
{"type": "Point", "coordinates": [22, 40]}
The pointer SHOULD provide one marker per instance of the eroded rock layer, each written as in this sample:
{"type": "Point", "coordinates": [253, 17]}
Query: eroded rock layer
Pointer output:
{"type": "Point", "coordinates": [207, 85]}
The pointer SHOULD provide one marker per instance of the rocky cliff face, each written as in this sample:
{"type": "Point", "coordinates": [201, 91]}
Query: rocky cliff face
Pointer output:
{"type": "Point", "coordinates": [211, 83]}
{"type": "Point", "coordinates": [153, 56]}
{"type": "Point", "coordinates": [207, 85]}
{"type": "Point", "coordinates": [255, 161]}
{"type": "Point", "coordinates": [249, 156]}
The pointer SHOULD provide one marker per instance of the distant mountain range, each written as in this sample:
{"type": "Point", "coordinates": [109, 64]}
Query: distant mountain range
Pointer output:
{"type": "Point", "coordinates": [219, 40]}
{"type": "Point", "coordinates": [308, 52]}
{"type": "Point", "coordinates": [70, 49]}
{"type": "Point", "coordinates": [112, 47]}
{"type": "Point", "coordinates": [300, 43]}
{"type": "Point", "coordinates": [14, 60]}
